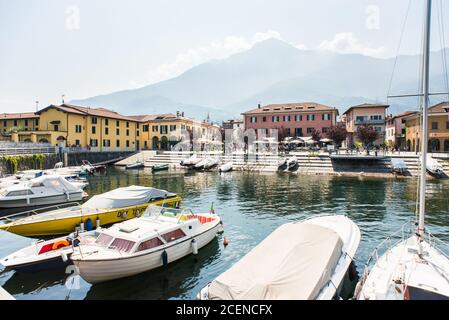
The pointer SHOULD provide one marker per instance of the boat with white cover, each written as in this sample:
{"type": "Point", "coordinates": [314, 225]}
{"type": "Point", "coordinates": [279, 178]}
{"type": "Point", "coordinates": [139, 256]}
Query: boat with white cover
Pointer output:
{"type": "Point", "coordinates": [292, 162]}
{"type": "Point", "coordinates": [103, 209]}
{"type": "Point", "coordinates": [398, 166]}
{"type": "Point", "coordinates": [44, 190]}
{"type": "Point", "coordinates": [24, 176]}
{"type": "Point", "coordinates": [415, 267]}
{"type": "Point", "coordinates": [47, 254]}
{"type": "Point", "coordinates": [191, 161]}
{"type": "Point", "coordinates": [303, 260]}
{"type": "Point", "coordinates": [434, 167]}
{"type": "Point", "coordinates": [211, 163]}
{"type": "Point", "coordinates": [226, 167]}
{"type": "Point", "coordinates": [200, 164]}
{"type": "Point", "coordinates": [157, 238]}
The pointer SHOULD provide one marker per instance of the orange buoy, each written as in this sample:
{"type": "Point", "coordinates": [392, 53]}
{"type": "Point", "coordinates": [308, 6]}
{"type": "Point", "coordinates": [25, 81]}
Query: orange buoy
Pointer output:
{"type": "Point", "coordinates": [225, 242]}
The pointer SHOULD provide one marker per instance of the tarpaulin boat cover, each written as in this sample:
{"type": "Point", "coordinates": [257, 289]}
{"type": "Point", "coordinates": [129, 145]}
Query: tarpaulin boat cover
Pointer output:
{"type": "Point", "coordinates": [294, 262]}
{"type": "Point", "coordinates": [126, 197]}
{"type": "Point", "coordinates": [53, 181]}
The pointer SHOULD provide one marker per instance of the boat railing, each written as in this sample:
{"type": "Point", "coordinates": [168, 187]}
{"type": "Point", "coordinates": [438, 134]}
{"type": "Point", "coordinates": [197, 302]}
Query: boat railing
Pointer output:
{"type": "Point", "coordinates": [24, 214]}
{"type": "Point", "coordinates": [385, 246]}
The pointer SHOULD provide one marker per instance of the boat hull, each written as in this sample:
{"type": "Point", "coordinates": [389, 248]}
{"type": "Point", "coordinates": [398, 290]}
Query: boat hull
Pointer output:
{"type": "Point", "coordinates": [96, 271]}
{"type": "Point", "coordinates": [67, 225]}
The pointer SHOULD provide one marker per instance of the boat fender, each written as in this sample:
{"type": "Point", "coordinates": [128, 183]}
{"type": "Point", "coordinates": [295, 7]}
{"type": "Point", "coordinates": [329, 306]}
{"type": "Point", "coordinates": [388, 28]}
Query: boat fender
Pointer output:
{"type": "Point", "coordinates": [89, 225]}
{"type": "Point", "coordinates": [64, 256]}
{"type": "Point", "coordinates": [137, 213]}
{"type": "Point", "coordinates": [76, 242]}
{"type": "Point", "coordinates": [60, 244]}
{"type": "Point", "coordinates": [98, 223]}
{"type": "Point", "coordinates": [225, 241]}
{"type": "Point", "coordinates": [164, 258]}
{"type": "Point", "coordinates": [194, 246]}
{"type": "Point", "coordinates": [124, 214]}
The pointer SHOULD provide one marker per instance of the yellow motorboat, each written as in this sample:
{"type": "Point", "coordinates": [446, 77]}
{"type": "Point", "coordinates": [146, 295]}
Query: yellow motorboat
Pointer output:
{"type": "Point", "coordinates": [104, 209]}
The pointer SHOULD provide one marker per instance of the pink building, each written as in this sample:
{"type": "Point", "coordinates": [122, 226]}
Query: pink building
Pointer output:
{"type": "Point", "coordinates": [395, 129]}
{"type": "Point", "coordinates": [295, 119]}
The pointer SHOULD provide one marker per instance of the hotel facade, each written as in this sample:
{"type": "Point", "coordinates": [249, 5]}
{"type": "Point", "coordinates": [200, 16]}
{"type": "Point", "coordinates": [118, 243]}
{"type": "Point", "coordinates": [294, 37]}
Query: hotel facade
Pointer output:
{"type": "Point", "coordinates": [294, 119]}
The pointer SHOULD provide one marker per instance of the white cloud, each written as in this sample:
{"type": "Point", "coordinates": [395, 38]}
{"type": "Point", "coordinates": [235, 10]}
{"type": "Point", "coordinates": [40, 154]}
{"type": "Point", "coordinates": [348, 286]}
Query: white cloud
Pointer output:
{"type": "Point", "coordinates": [217, 49]}
{"type": "Point", "coordinates": [346, 43]}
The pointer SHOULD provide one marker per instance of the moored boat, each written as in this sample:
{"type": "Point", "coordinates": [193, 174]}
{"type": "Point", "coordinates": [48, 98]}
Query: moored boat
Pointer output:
{"type": "Point", "coordinates": [433, 167]}
{"type": "Point", "coordinates": [135, 165]}
{"type": "Point", "coordinates": [226, 167]}
{"type": "Point", "coordinates": [104, 209]}
{"type": "Point", "coordinates": [159, 167]}
{"type": "Point", "coordinates": [304, 260]}
{"type": "Point", "coordinates": [44, 190]}
{"type": "Point", "coordinates": [211, 163]}
{"type": "Point", "coordinates": [151, 241]}
{"type": "Point", "coordinates": [398, 166]}
{"type": "Point", "coordinates": [292, 162]}
{"type": "Point", "coordinates": [191, 161]}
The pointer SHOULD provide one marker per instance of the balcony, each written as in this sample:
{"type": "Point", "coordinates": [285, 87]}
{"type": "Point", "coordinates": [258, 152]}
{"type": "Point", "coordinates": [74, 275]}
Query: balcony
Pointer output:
{"type": "Point", "coordinates": [368, 121]}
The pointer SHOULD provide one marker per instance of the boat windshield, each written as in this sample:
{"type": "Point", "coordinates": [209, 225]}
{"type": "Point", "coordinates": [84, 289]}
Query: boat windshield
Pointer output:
{"type": "Point", "coordinates": [414, 293]}
{"type": "Point", "coordinates": [122, 245]}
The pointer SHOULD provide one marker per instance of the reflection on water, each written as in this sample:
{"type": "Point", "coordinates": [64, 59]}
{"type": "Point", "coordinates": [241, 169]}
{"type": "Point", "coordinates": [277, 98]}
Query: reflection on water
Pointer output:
{"type": "Point", "coordinates": [251, 205]}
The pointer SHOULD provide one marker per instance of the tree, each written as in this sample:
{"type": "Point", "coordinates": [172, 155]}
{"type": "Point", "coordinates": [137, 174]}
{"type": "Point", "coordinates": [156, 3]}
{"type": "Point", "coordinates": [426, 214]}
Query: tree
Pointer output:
{"type": "Point", "coordinates": [338, 134]}
{"type": "Point", "coordinates": [316, 135]}
{"type": "Point", "coordinates": [367, 135]}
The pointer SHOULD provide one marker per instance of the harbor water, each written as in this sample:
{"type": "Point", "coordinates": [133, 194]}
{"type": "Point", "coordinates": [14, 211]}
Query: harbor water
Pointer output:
{"type": "Point", "coordinates": [251, 205]}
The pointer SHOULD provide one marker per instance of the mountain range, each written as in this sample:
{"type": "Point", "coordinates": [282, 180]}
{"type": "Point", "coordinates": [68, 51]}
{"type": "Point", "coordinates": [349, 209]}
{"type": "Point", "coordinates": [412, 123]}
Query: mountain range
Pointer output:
{"type": "Point", "coordinates": [273, 71]}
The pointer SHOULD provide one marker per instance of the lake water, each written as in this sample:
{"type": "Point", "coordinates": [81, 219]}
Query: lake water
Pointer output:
{"type": "Point", "coordinates": [251, 205]}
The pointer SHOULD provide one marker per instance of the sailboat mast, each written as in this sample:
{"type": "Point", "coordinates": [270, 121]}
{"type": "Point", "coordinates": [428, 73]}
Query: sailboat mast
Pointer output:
{"type": "Point", "coordinates": [425, 79]}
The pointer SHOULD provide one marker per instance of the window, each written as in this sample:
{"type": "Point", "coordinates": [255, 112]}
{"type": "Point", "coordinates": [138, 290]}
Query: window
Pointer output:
{"type": "Point", "coordinates": [127, 132]}
{"type": "Point", "coordinates": [376, 117]}
{"type": "Point", "coordinates": [298, 117]}
{"type": "Point", "coordinates": [173, 235]}
{"type": "Point", "coordinates": [326, 116]}
{"type": "Point", "coordinates": [359, 118]}
{"type": "Point", "coordinates": [127, 143]}
{"type": "Point", "coordinates": [77, 143]}
{"type": "Point", "coordinates": [155, 128]}
{"type": "Point", "coordinates": [103, 239]}
{"type": "Point", "coordinates": [146, 128]}
{"type": "Point", "coordinates": [106, 143]}
{"type": "Point", "coordinates": [253, 119]}
{"type": "Point", "coordinates": [325, 130]}
{"type": "Point", "coordinates": [122, 245]}
{"type": "Point", "coordinates": [447, 124]}
{"type": "Point", "coordinates": [106, 122]}
{"type": "Point", "coordinates": [106, 130]}
{"type": "Point", "coordinates": [309, 130]}
{"type": "Point", "coordinates": [150, 244]}
{"type": "Point", "coordinates": [378, 129]}
{"type": "Point", "coordinates": [117, 123]}
{"type": "Point", "coordinates": [298, 132]}
{"type": "Point", "coordinates": [138, 125]}
{"type": "Point", "coordinates": [164, 129]}
{"type": "Point", "coordinates": [94, 120]}
{"type": "Point", "coordinates": [137, 133]}
{"type": "Point", "coordinates": [117, 143]}
{"type": "Point", "coordinates": [117, 131]}
{"type": "Point", "coordinates": [287, 118]}
{"type": "Point", "coordinates": [264, 119]}
{"type": "Point", "coordinates": [19, 193]}
{"type": "Point", "coordinates": [56, 127]}
{"type": "Point", "coordinates": [78, 128]}
{"type": "Point", "coordinates": [93, 142]}
{"type": "Point", "coordinates": [4, 123]}
{"type": "Point", "coordinates": [26, 123]}
{"type": "Point", "coordinates": [127, 124]}
{"type": "Point", "coordinates": [434, 125]}
{"type": "Point", "coordinates": [172, 127]}
{"type": "Point", "coordinates": [183, 126]}
{"type": "Point", "coordinates": [275, 118]}
{"type": "Point", "coordinates": [94, 130]}
{"type": "Point", "coordinates": [15, 123]}
{"type": "Point", "coordinates": [310, 117]}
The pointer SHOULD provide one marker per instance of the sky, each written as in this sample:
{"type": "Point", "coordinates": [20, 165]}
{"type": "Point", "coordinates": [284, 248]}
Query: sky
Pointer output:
{"type": "Point", "coordinates": [83, 48]}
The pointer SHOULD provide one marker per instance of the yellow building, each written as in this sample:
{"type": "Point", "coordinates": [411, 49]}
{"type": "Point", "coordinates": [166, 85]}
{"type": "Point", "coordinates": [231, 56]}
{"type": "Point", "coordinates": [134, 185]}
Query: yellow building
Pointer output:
{"type": "Point", "coordinates": [97, 129]}
{"type": "Point", "coordinates": [162, 131]}
{"type": "Point", "coordinates": [437, 129]}
{"type": "Point", "coordinates": [21, 121]}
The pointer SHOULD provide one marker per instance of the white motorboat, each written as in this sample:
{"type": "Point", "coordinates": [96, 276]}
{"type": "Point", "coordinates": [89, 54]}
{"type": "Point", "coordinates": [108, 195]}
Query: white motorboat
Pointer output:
{"type": "Point", "coordinates": [434, 167]}
{"type": "Point", "coordinates": [44, 190]}
{"type": "Point", "coordinates": [151, 241]}
{"type": "Point", "coordinates": [211, 163]}
{"type": "Point", "coordinates": [304, 260]}
{"type": "Point", "coordinates": [398, 166]}
{"type": "Point", "coordinates": [19, 177]}
{"type": "Point", "coordinates": [413, 268]}
{"type": "Point", "coordinates": [200, 164]}
{"type": "Point", "coordinates": [68, 171]}
{"type": "Point", "coordinates": [226, 167]}
{"type": "Point", "coordinates": [135, 165]}
{"type": "Point", "coordinates": [292, 162]}
{"type": "Point", "coordinates": [49, 254]}
{"type": "Point", "coordinates": [191, 161]}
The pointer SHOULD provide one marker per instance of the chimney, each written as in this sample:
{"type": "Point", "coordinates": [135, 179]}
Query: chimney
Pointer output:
{"type": "Point", "coordinates": [182, 113]}
{"type": "Point", "coordinates": [177, 113]}
{"type": "Point", "coordinates": [258, 106]}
